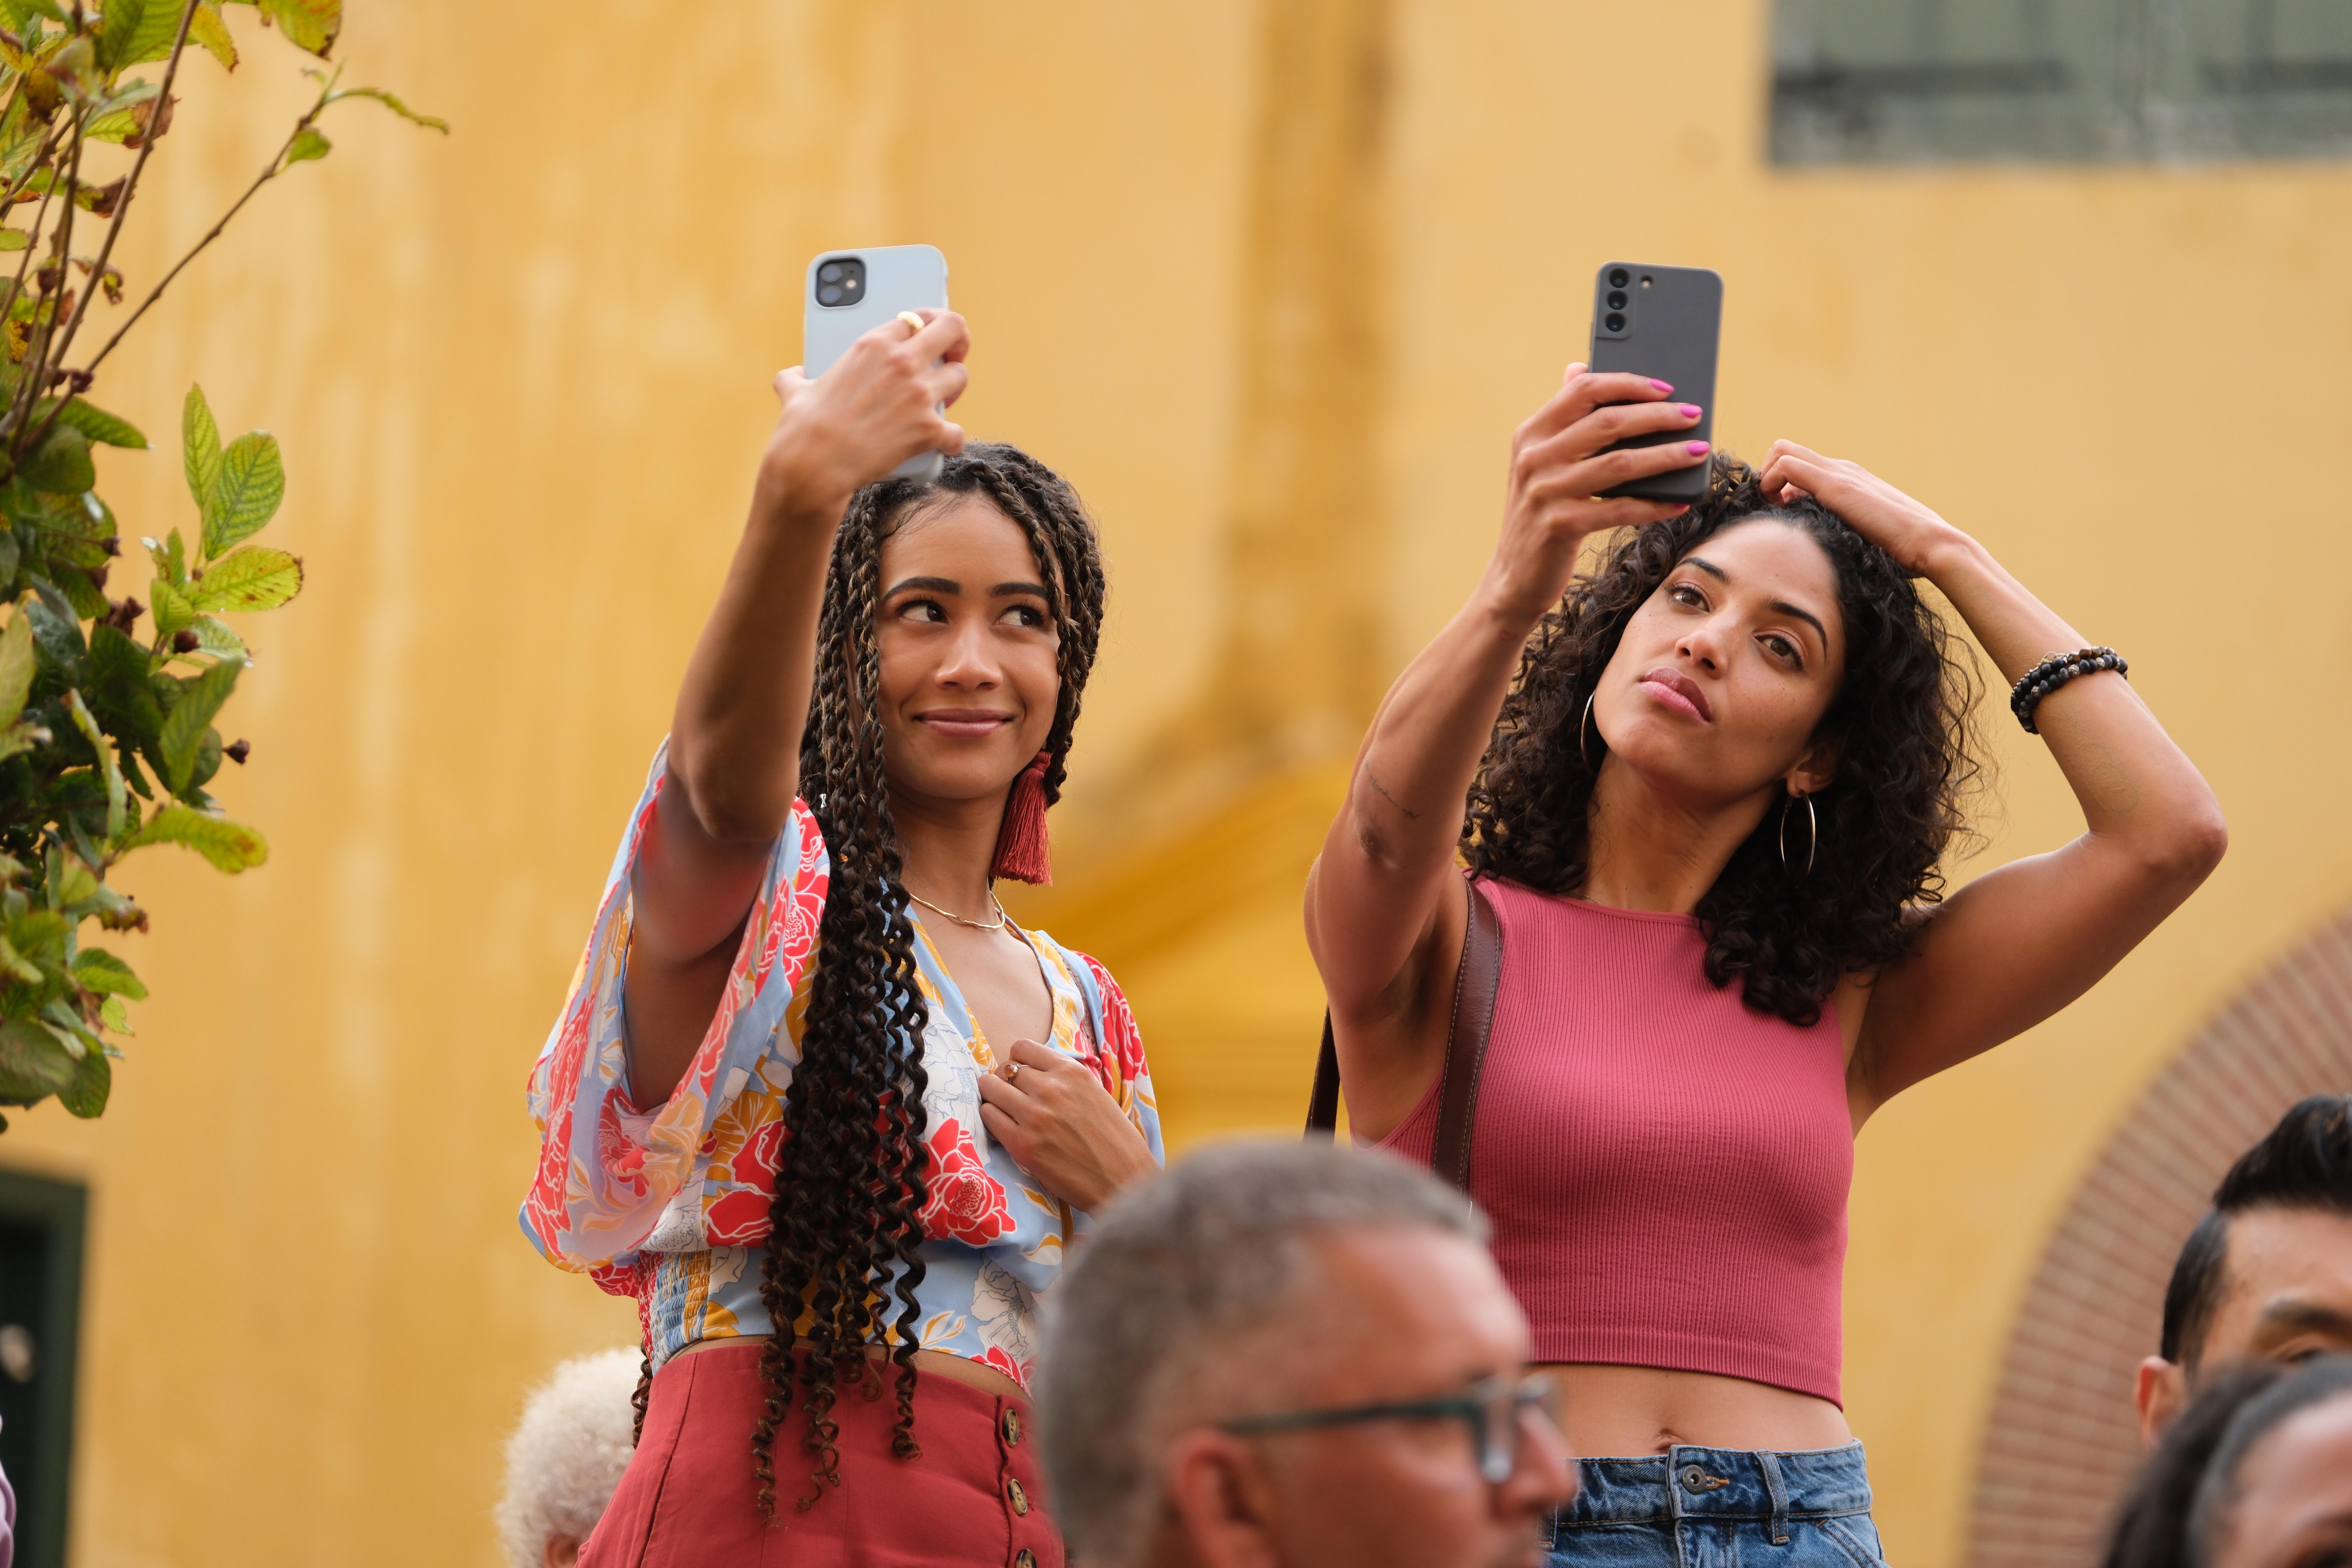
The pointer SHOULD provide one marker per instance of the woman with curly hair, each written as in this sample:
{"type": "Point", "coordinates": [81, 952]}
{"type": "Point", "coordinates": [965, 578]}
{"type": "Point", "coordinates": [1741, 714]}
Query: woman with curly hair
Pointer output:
{"type": "Point", "coordinates": [1703, 795]}
{"type": "Point", "coordinates": [815, 1100]}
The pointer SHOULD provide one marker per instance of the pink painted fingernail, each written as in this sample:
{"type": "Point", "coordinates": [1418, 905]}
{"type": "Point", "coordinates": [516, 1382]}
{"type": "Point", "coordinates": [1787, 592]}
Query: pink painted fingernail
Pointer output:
{"type": "Point", "coordinates": [1695, 448]}
{"type": "Point", "coordinates": [1662, 385]}
{"type": "Point", "coordinates": [1690, 411]}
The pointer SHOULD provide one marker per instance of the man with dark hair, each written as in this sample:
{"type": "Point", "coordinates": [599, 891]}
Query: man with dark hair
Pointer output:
{"type": "Point", "coordinates": [2267, 1274]}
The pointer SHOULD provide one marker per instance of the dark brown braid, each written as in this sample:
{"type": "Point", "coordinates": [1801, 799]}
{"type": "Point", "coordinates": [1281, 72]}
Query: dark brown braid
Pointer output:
{"type": "Point", "coordinates": [849, 1195]}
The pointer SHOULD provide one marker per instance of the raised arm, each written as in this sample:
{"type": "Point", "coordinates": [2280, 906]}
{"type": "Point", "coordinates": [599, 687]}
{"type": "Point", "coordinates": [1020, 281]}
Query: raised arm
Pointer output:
{"type": "Point", "coordinates": [734, 744]}
{"type": "Point", "coordinates": [1382, 931]}
{"type": "Point", "coordinates": [2019, 943]}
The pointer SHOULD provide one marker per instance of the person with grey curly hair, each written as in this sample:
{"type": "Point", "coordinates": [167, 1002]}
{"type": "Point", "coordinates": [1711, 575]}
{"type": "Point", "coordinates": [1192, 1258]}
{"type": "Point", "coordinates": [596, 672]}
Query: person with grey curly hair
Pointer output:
{"type": "Point", "coordinates": [566, 1457]}
{"type": "Point", "coordinates": [1278, 1355]}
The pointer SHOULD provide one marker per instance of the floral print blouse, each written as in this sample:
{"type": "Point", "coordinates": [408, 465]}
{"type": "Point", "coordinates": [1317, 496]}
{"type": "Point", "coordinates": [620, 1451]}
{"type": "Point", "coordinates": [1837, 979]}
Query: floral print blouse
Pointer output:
{"type": "Point", "coordinates": [668, 1204]}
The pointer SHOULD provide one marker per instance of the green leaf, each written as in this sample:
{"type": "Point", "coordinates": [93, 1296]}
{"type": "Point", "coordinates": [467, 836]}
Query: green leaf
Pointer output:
{"type": "Point", "coordinates": [213, 637]}
{"type": "Point", "coordinates": [201, 444]}
{"type": "Point", "coordinates": [172, 611]}
{"type": "Point", "coordinates": [117, 687]}
{"type": "Point", "coordinates": [93, 1080]}
{"type": "Point", "coordinates": [56, 630]}
{"type": "Point", "coordinates": [115, 1015]}
{"type": "Point", "coordinates": [82, 594]}
{"type": "Point", "coordinates": [61, 463]}
{"type": "Point", "coordinates": [230, 845]}
{"type": "Point", "coordinates": [185, 726]}
{"type": "Point", "coordinates": [209, 30]}
{"type": "Point", "coordinates": [22, 737]}
{"type": "Point", "coordinates": [33, 1066]}
{"type": "Point", "coordinates": [71, 882]}
{"type": "Point", "coordinates": [307, 143]}
{"type": "Point", "coordinates": [95, 422]}
{"type": "Point", "coordinates": [308, 25]}
{"type": "Point", "coordinates": [136, 31]}
{"type": "Point", "coordinates": [106, 764]}
{"type": "Point", "coordinates": [254, 578]}
{"type": "Point", "coordinates": [102, 974]}
{"type": "Point", "coordinates": [14, 239]}
{"type": "Point", "coordinates": [16, 667]}
{"type": "Point", "coordinates": [252, 482]}
{"type": "Point", "coordinates": [16, 963]}
{"type": "Point", "coordinates": [430, 122]}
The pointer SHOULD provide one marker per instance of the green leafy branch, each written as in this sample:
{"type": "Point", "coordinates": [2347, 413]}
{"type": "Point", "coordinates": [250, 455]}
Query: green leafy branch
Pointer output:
{"type": "Point", "coordinates": [109, 738]}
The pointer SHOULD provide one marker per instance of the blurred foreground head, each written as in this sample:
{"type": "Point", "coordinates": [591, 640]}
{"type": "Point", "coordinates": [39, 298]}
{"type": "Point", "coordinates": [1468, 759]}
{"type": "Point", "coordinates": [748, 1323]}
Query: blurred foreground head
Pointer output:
{"type": "Point", "coordinates": [2278, 1492]}
{"type": "Point", "coordinates": [1272, 1288]}
{"type": "Point", "coordinates": [566, 1457]}
{"type": "Point", "coordinates": [2267, 1273]}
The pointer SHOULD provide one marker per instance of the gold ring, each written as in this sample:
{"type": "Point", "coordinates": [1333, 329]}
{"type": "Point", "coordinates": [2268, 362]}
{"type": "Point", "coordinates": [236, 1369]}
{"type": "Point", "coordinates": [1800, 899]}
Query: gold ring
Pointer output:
{"type": "Point", "coordinates": [914, 322]}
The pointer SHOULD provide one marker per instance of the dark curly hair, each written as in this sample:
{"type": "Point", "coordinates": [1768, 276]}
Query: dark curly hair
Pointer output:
{"type": "Point", "coordinates": [1906, 759]}
{"type": "Point", "coordinates": [846, 1217]}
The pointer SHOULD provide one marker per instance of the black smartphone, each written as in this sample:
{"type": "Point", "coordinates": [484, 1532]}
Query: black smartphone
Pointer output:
{"type": "Point", "coordinates": [1664, 323]}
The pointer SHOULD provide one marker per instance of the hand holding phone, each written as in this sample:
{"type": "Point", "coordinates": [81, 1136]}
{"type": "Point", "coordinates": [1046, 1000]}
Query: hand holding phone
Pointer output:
{"type": "Point", "coordinates": [874, 413]}
{"type": "Point", "coordinates": [850, 293]}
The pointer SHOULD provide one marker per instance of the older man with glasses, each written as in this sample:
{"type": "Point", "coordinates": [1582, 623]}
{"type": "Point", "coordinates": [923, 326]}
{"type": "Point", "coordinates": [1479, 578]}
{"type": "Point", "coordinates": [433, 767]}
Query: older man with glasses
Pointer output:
{"type": "Point", "coordinates": [1287, 1355]}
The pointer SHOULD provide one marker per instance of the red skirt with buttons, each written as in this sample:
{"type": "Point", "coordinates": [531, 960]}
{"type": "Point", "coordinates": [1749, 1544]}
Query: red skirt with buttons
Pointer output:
{"type": "Point", "coordinates": [690, 1499]}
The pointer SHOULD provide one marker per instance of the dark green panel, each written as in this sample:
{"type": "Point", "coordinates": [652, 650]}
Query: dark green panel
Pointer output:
{"type": "Point", "coordinates": [1897, 82]}
{"type": "Point", "coordinates": [41, 1224]}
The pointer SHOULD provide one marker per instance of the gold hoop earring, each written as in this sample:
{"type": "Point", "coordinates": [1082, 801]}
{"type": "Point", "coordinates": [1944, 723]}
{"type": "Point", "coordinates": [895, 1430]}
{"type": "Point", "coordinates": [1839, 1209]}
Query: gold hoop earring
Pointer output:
{"type": "Point", "coordinates": [1813, 832]}
{"type": "Point", "coordinates": [1584, 735]}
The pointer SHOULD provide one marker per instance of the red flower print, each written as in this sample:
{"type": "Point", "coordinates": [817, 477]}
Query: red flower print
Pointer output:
{"type": "Point", "coordinates": [623, 1157]}
{"type": "Point", "coordinates": [996, 1358]}
{"type": "Point", "coordinates": [964, 1203]}
{"type": "Point", "coordinates": [1121, 1038]}
{"type": "Point", "coordinates": [737, 1219]}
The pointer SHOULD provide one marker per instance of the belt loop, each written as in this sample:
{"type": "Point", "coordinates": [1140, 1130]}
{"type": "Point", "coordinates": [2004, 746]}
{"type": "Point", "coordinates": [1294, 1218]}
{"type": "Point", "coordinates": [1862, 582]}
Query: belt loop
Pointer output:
{"type": "Point", "coordinates": [1769, 1463]}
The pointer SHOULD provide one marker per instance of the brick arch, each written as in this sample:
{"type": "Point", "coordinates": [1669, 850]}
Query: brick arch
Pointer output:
{"type": "Point", "coordinates": [2062, 1437]}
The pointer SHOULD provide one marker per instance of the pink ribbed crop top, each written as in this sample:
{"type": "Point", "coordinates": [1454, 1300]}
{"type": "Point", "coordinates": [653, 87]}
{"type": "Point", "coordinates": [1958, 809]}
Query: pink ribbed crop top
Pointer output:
{"type": "Point", "coordinates": [1666, 1171]}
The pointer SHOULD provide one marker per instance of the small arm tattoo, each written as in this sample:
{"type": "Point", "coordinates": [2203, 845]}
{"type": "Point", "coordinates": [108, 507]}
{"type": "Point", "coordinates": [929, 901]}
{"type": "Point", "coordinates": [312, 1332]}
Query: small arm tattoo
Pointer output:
{"type": "Point", "coordinates": [1373, 779]}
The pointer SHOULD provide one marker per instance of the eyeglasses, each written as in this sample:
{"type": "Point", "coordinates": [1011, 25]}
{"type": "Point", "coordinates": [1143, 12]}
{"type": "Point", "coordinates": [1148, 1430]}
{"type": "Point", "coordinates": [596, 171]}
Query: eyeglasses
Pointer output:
{"type": "Point", "coordinates": [1496, 1410]}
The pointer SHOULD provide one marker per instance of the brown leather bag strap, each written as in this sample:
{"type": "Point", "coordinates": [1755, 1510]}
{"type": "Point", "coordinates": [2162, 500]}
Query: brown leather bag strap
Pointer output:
{"type": "Point", "coordinates": [1473, 1020]}
{"type": "Point", "coordinates": [1475, 987]}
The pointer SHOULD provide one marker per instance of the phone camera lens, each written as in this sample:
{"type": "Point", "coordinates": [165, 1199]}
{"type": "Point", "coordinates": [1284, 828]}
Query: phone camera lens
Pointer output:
{"type": "Point", "coordinates": [1619, 278]}
{"type": "Point", "coordinates": [1616, 299]}
{"type": "Point", "coordinates": [1613, 321]}
{"type": "Point", "coordinates": [841, 280]}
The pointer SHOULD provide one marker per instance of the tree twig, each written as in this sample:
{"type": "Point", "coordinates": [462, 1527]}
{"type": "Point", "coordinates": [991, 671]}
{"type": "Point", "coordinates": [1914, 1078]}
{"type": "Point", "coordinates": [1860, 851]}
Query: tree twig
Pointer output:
{"type": "Point", "coordinates": [276, 166]}
{"type": "Point", "coordinates": [37, 353]}
{"type": "Point", "coordinates": [163, 101]}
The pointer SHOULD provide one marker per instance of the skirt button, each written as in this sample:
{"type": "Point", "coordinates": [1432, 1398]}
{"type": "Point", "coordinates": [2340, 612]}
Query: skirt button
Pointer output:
{"type": "Point", "coordinates": [1019, 1494]}
{"type": "Point", "coordinates": [1013, 1429]}
{"type": "Point", "coordinates": [1024, 1558]}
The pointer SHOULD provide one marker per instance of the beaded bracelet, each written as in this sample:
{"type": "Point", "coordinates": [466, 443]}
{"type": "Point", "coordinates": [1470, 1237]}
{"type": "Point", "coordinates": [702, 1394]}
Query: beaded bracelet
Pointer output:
{"type": "Point", "coordinates": [2055, 671]}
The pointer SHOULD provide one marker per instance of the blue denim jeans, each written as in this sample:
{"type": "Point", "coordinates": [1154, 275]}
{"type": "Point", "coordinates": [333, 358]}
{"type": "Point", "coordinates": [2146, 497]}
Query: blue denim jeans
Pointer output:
{"type": "Point", "coordinates": [1719, 1507]}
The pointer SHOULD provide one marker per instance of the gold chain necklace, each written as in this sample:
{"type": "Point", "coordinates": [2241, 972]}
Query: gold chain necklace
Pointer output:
{"type": "Point", "coordinates": [977, 925]}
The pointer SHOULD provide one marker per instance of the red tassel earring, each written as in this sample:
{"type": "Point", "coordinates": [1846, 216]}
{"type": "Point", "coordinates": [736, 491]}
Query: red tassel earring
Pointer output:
{"type": "Point", "coordinates": [1022, 852]}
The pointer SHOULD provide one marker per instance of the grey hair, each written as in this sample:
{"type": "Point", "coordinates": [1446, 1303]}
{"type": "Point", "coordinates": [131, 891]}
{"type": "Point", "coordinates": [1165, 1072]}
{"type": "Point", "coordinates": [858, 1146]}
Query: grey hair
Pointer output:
{"type": "Point", "coordinates": [567, 1453]}
{"type": "Point", "coordinates": [2319, 1381]}
{"type": "Point", "coordinates": [1176, 1268]}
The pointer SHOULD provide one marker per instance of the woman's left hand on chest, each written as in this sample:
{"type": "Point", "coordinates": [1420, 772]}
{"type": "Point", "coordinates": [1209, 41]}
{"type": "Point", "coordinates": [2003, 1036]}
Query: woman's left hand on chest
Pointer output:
{"type": "Point", "coordinates": [1060, 1124]}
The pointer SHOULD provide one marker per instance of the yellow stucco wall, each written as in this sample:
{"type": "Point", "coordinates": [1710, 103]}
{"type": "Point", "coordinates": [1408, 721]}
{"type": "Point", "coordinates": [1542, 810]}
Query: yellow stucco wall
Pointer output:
{"type": "Point", "coordinates": [1272, 282]}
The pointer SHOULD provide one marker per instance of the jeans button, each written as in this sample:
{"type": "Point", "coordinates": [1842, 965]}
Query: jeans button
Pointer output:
{"type": "Point", "coordinates": [1694, 1478]}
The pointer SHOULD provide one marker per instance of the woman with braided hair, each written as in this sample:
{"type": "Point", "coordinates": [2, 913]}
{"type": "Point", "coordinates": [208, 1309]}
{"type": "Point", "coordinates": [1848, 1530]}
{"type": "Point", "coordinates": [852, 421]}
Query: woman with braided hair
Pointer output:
{"type": "Point", "coordinates": [1703, 795]}
{"type": "Point", "coordinates": [815, 1100]}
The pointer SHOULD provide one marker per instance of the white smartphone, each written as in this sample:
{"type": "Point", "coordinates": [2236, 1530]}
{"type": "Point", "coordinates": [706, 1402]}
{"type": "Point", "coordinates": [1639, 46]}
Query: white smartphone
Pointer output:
{"type": "Point", "coordinates": [851, 292]}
